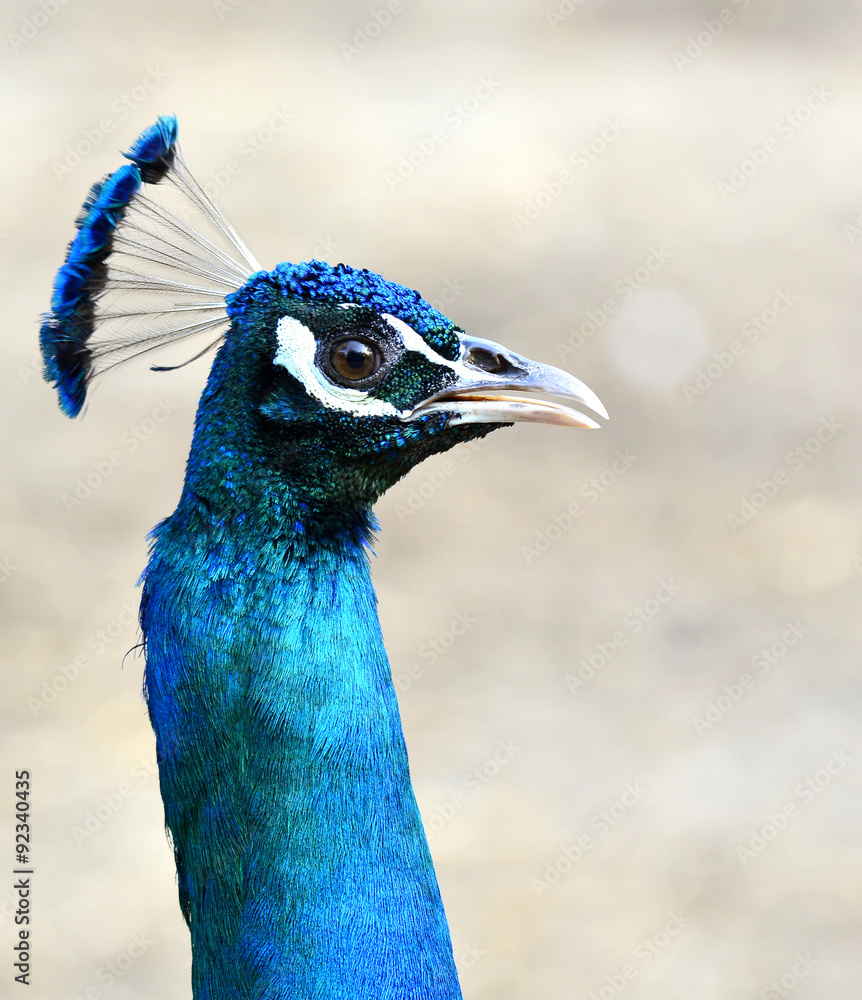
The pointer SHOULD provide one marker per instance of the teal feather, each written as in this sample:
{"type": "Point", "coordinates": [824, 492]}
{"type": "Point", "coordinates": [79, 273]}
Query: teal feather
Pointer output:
{"type": "Point", "coordinates": [303, 865]}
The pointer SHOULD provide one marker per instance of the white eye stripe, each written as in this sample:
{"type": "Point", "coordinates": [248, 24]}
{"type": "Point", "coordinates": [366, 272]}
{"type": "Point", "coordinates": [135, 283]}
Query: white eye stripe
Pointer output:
{"type": "Point", "coordinates": [296, 351]}
{"type": "Point", "coordinates": [413, 342]}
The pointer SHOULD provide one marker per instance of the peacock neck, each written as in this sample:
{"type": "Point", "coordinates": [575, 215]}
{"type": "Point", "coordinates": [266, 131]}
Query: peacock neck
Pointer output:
{"type": "Point", "coordinates": [303, 867]}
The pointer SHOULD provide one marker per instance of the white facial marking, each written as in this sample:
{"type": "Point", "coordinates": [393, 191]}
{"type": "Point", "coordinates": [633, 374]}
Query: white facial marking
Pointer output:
{"type": "Point", "coordinates": [413, 342]}
{"type": "Point", "coordinates": [297, 347]}
{"type": "Point", "coordinates": [296, 350]}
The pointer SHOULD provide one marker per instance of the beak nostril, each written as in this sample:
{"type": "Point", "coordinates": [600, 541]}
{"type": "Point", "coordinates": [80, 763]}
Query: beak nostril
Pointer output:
{"type": "Point", "coordinates": [491, 361]}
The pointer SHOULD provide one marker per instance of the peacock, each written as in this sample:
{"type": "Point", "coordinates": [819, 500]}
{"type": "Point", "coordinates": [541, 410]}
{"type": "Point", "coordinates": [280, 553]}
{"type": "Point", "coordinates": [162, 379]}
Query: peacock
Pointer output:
{"type": "Point", "coordinates": [302, 864]}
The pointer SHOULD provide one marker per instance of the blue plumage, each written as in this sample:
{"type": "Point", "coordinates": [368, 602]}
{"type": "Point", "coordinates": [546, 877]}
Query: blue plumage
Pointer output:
{"type": "Point", "coordinates": [303, 867]}
{"type": "Point", "coordinates": [154, 151]}
{"type": "Point", "coordinates": [68, 327]}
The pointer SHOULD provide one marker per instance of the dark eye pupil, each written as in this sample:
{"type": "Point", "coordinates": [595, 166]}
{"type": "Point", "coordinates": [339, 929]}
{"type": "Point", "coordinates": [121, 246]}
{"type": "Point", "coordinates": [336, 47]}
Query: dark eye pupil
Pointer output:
{"type": "Point", "coordinates": [354, 360]}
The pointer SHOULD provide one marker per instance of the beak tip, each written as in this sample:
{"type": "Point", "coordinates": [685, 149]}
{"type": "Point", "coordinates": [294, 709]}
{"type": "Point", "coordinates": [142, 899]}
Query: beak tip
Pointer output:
{"type": "Point", "coordinates": [597, 405]}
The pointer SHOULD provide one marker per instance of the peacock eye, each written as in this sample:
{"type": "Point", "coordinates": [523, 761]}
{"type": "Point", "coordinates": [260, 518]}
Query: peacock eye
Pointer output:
{"type": "Point", "coordinates": [354, 360]}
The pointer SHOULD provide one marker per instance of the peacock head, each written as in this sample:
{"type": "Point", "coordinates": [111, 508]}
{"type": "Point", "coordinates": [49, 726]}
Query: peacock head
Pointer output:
{"type": "Point", "coordinates": [353, 379]}
{"type": "Point", "coordinates": [329, 378]}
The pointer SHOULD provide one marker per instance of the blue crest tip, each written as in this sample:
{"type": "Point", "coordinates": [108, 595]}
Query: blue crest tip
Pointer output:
{"type": "Point", "coordinates": [154, 150]}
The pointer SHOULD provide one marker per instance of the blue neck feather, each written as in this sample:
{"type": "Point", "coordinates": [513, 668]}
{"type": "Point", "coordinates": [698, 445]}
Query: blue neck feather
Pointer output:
{"type": "Point", "coordinates": [304, 871]}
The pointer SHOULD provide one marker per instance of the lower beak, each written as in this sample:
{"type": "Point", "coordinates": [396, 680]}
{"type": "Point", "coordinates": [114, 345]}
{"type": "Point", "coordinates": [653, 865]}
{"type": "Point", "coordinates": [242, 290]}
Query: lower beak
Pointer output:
{"type": "Point", "coordinates": [486, 368]}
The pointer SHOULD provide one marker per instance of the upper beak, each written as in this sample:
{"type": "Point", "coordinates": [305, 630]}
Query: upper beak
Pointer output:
{"type": "Point", "coordinates": [484, 368]}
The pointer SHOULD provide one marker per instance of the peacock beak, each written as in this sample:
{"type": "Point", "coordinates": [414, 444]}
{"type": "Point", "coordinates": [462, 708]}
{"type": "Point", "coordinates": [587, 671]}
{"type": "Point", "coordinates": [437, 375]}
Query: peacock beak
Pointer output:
{"type": "Point", "coordinates": [485, 368]}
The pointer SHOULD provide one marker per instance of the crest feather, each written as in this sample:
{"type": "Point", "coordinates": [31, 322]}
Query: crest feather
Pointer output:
{"type": "Point", "coordinates": [138, 275]}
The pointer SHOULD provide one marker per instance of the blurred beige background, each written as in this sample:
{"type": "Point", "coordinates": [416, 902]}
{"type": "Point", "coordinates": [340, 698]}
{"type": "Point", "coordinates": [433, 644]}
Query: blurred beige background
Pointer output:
{"type": "Point", "coordinates": [664, 198]}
